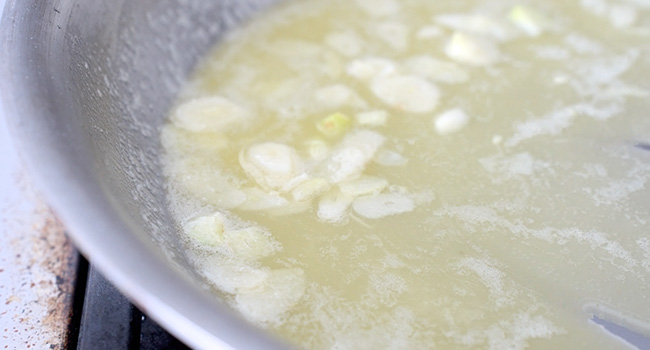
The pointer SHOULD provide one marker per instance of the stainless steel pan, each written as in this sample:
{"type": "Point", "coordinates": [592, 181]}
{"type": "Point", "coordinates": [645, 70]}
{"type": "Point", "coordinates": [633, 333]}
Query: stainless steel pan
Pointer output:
{"type": "Point", "coordinates": [87, 84]}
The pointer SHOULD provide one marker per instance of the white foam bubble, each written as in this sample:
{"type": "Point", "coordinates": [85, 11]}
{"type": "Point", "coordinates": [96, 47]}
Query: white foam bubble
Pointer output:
{"type": "Point", "coordinates": [388, 287]}
{"type": "Point", "coordinates": [508, 167]}
{"type": "Point", "coordinates": [487, 219]}
{"type": "Point", "coordinates": [493, 279]}
{"type": "Point", "coordinates": [353, 325]}
{"type": "Point", "coordinates": [557, 121]}
{"type": "Point", "coordinates": [618, 190]}
{"type": "Point", "coordinates": [512, 333]}
{"type": "Point", "coordinates": [644, 244]}
{"type": "Point", "coordinates": [582, 44]}
{"type": "Point", "coordinates": [516, 332]}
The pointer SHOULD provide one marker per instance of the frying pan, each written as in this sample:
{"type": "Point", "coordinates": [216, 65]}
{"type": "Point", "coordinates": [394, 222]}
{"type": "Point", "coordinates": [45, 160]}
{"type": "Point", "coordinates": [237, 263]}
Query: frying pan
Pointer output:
{"type": "Point", "coordinates": [87, 84]}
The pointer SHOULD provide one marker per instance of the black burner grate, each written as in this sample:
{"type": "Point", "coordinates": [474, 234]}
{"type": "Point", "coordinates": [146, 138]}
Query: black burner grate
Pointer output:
{"type": "Point", "coordinates": [105, 319]}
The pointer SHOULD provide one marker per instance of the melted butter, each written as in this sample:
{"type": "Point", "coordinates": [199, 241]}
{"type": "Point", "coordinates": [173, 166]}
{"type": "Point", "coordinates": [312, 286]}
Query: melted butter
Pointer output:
{"type": "Point", "coordinates": [504, 228]}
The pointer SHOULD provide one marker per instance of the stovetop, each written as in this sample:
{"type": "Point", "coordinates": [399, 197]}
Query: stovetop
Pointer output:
{"type": "Point", "coordinates": [105, 319]}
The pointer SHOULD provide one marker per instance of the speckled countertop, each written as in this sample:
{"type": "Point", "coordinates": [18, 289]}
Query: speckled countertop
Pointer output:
{"type": "Point", "coordinates": [37, 261]}
{"type": "Point", "coordinates": [37, 265]}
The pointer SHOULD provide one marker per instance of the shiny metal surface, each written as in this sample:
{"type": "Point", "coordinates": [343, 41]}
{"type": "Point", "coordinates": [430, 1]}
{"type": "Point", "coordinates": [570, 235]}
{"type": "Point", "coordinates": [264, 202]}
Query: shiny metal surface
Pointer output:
{"type": "Point", "coordinates": [87, 84]}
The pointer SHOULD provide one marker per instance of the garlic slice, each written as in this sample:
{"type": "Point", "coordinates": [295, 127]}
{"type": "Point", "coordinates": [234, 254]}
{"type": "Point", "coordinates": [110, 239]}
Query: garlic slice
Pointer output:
{"type": "Point", "coordinates": [207, 230]}
{"type": "Point", "coordinates": [373, 118]}
{"type": "Point", "coordinates": [310, 189]}
{"type": "Point", "coordinates": [250, 243]}
{"type": "Point", "coordinates": [350, 159]}
{"type": "Point", "coordinates": [476, 23]}
{"type": "Point", "coordinates": [394, 34]}
{"type": "Point", "coordinates": [407, 93]}
{"type": "Point", "coordinates": [338, 95]}
{"type": "Point", "coordinates": [209, 114]}
{"type": "Point", "coordinates": [472, 50]}
{"type": "Point", "coordinates": [528, 20]}
{"type": "Point", "coordinates": [371, 67]}
{"type": "Point", "coordinates": [437, 70]}
{"type": "Point", "coordinates": [451, 121]}
{"type": "Point", "coordinates": [260, 200]}
{"type": "Point", "coordinates": [346, 43]}
{"type": "Point", "coordinates": [379, 8]}
{"type": "Point", "coordinates": [233, 276]}
{"type": "Point", "coordinates": [365, 185]}
{"type": "Point", "coordinates": [272, 165]}
{"type": "Point", "coordinates": [333, 206]}
{"type": "Point", "coordinates": [266, 303]}
{"type": "Point", "coordinates": [390, 158]}
{"type": "Point", "coordinates": [379, 206]}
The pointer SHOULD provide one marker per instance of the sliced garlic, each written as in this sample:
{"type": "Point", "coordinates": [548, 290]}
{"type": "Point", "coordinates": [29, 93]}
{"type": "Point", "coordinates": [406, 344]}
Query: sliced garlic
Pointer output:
{"type": "Point", "coordinates": [317, 149]}
{"type": "Point", "coordinates": [436, 70]}
{"type": "Point", "coordinates": [365, 185]}
{"type": "Point", "coordinates": [372, 67]}
{"type": "Point", "coordinates": [528, 20]}
{"type": "Point", "coordinates": [373, 118]}
{"type": "Point", "coordinates": [337, 96]}
{"type": "Point", "coordinates": [472, 50]}
{"type": "Point", "coordinates": [597, 7]}
{"type": "Point", "coordinates": [228, 197]}
{"type": "Point", "coordinates": [379, 206]}
{"type": "Point", "coordinates": [407, 93]}
{"type": "Point", "coordinates": [207, 230]}
{"type": "Point", "coordinates": [250, 243]}
{"type": "Point", "coordinates": [333, 206]}
{"type": "Point", "coordinates": [232, 276]}
{"type": "Point", "coordinates": [622, 16]}
{"type": "Point", "coordinates": [266, 303]}
{"type": "Point", "coordinates": [390, 158]}
{"type": "Point", "coordinates": [346, 43]}
{"type": "Point", "coordinates": [428, 32]}
{"type": "Point", "coordinates": [310, 189]}
{"type": "Point", "coordinates": [207, 184]}
{"type": "Point", "coordinates": [180, 142]}
{"type": "Point", "coordinates": [394, 34]}
{"type": "Point", "coordinates": [379, 8]}
{"type": "Point", "coordinates": [475, 23]}
{"type": "Point", "coordinates": [346, 163]}
{"type": "Point", "coordinates": [332, 65]}
{"type": "Point", "coordinates": [209, 114]}
{"type": "Point", "coordinates": [352, 156]}
{"type": "Point", "coordinates": [287, 98]}
{"type": "Point", "coordinates": [260, 200]}
{"type": "Point", "coordinates": [272, 165]}
{"type": "Point", "coordinates": [334, 125]}
{"type": "Point", "coordinates": [292, 208]}
{"type": "Point", "coordinates": [451, 121]}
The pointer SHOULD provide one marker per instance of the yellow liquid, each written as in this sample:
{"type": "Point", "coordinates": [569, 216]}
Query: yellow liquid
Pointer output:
{"type": "Point", "coordinates": [528, 219]}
